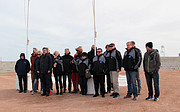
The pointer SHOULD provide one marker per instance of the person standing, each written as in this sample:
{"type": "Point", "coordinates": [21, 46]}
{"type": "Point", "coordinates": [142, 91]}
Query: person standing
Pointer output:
{"type": "Point", "coordinates": [75, 77]}
{"type": "Point", "coordinates": [107, 71]}
{"type": "Point", "coordinates": [83, 66]}
{"type": "Point", "coordinates": [36, 73]}
{"type": "Point", "coordinates": [67, 59]}
{"type": "Point", "coordinates": [114, 60]}
{"type": "Point", "coordinates": [131, 63]}
{"type": "Point", "coordinates": [151, 64]}
{"type": "Point", "coordinates": [33, 57]}
{"type": "Point", "coordinates": [98, 71]}
{"type": "Point", "coordinates": [138, 74]}
{"type": "Point", "coordinates": [58, 71]}
{"type": "Point", "coordinates": [22, 67]}
{"type": "Point", "coordinates": [45, 71]}
{"type": "Point", "coordinates": [51, 83]}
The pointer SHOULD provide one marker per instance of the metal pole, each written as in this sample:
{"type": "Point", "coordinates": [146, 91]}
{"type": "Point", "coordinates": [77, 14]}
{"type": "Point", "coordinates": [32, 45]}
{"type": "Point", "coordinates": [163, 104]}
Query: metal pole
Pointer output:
{"type": "Point", "coordinates": [95, 33]}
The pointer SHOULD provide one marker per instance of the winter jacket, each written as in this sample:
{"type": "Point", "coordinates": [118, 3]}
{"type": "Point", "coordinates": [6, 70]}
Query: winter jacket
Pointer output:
{"type": "Point", "coordinates": [22, 66]}
{"type": "Point", "coordinates": [33, 57]}
{"type": "Point", "coordinates": [83, 64]}
{"type": "Point", "coordinates": [99, 65]}
{"type": "Point", "coordinates": [36, 68]}
{"type": "Point", "coordinates": [151, 62]}
{"type": "Point", "coordinates": [139, 55]}
{"type": "Point", "coordinates": [67, 60]}
{"type": "Point", "coordinates": [45, 63]}
{"type": "Point", "coordinates": [131, 60]}
{"type": "Point", "coordinates": [59, 65]}
{"type": "Point", "coordinates": [114, 60]}
{"type": "Point", "coordinates": [75, 63]}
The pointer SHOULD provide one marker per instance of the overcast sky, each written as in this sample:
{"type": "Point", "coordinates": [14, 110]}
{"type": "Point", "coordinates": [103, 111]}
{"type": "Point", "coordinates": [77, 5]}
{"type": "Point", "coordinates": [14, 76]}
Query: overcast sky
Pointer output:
{"type": "Point", "coordinates": [60, 24]}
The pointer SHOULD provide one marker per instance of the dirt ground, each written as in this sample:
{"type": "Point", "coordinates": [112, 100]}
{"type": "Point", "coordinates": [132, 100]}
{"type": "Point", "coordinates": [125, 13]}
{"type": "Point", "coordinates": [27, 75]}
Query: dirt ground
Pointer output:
{"type": "Point", "coordinates": [12, 101]}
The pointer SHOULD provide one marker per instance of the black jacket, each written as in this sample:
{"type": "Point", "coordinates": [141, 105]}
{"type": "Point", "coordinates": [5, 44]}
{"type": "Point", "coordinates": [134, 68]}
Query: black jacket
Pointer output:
{"type": "Point", "coordinates": [59, 65]}
{"type": "Point", "coordinates": [36, 66]}
{"type": "Point", "coordinates": [83, 65]}
{"type": "Point", "coordinates": [114, 60]}
{"type": "Point", "coordinates": [67, 60]}
{"type": "Point", "coordinates": [45, 63]}
{"type": "Point", "coordinates": [22, 66]}
{"type": "Point", "coordinates": [131, 60]}
{"type": "Point", "coordinates": [74, 65]}
{"type": "Point", "coordinates": [99, 65]}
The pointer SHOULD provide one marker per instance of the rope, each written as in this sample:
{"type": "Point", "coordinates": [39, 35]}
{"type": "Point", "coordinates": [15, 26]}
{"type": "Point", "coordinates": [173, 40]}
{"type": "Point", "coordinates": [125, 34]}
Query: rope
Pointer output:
{"type": "Point", "coordinates": [95, 32]}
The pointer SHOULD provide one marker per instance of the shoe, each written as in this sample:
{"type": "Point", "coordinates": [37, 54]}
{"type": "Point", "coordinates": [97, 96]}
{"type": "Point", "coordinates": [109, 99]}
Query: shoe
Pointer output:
{"type": "Point", "coordinates": [74, 91]}
{"type": "Point", "coordinates": [32, 92]}
{"type": "Point", "coordinates": [61, 93]}
{"type": "Point", "coordinates": [41, 92]}
{"type": "Point", "coordinates": [112, 94]}
{"type": "Point", "coordinates": [103, 96]}
{"type": "Point", "coordinates": [36, 91]}
{"type": "Point", "coordinates": [109, 91]}
{"type": "Point", "coordinates": [96, 95]}
{"type": "Point", "coordinates": [149, 98]}
{"type": "Point", "coordinates": [47, 94]}
{"type": "Point", "coordinates": [57, 93]}
{"type": "Point", "coordinates": [20, 91]}
{"type": "Point", "coordinates": [25, 91]}
{"type": "Point", "coordinates": [116, 96]}
{"type": "Point", "coordinates": [134, 98]}
{"type": "Point", "coordinates": [156, 99]}
{"type": "Point", "coordinates": [127, 96]}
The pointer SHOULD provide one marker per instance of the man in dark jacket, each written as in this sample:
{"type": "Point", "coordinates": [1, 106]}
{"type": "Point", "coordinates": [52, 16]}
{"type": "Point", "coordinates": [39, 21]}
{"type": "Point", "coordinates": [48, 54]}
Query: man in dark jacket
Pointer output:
{"type": "Point", "coordinates": [22, 67]}
{"type": "Point", "coordinates": [51, 83]}
{"type": "Point", "coordinates": [138, 74]}
{"type": "Point", "coordinates": [98, 70]}
{"type": "Point", "coordinates": [45, 70]}
{"type": "Point", "coordinates": [131, 63]}
{"type": "Point", "coordinates": [151, 64]}
{"type": "Point", "coordinates": [83, 66]}
{"type": "Point", "coordinates": [67, 59]}
{"type": "Point", "coordinates": [114, 61]}
{"type": "Point", "coordinates": [107, 71]}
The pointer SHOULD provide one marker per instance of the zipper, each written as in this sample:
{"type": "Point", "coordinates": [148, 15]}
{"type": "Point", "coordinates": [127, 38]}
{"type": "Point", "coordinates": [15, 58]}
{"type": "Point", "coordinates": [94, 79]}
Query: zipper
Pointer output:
{"type": "Point", "coordinates": [148, 64]}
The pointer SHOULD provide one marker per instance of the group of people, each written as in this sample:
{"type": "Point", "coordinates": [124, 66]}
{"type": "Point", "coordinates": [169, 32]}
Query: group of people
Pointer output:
{"type": "Point", "coordinates": [82, 66]}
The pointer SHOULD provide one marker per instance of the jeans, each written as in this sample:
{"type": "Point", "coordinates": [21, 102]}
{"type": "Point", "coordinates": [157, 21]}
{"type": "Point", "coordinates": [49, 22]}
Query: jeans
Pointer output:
{"type": "Point", "coordinates": [155, 77]}
{"type": "Point", "coordinates": [35, 84]}
{"type": "Point", "coordinates": [138, 81]}
{"type": "Point", "coordinates": [131, 81]}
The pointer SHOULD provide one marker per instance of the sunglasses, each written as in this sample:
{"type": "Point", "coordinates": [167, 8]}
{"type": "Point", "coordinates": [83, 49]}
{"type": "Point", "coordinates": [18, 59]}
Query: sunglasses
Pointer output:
{"type": "Point", "coordinates": [39, 54]}
{"type": "Point", "coordinates": [98, 51]}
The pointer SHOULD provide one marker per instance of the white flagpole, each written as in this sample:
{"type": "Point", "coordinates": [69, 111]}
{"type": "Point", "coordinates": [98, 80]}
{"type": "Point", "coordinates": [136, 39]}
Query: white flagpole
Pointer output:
{"type": "Point", "coordinates": [27, 30]}
{"type": "Point", "coordinates": [95, 32]}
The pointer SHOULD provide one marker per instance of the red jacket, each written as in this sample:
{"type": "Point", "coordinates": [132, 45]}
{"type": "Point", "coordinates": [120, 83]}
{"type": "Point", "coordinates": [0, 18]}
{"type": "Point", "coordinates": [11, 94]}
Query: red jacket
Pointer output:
{"type": "Point", "coordinates": [33, 57]}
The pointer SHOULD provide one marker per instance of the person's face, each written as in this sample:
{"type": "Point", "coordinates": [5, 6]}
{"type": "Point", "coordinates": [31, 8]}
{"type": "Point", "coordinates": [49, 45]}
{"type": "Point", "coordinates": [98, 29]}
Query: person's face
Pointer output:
{"type": "Point", "coordinates": [48, 50]}
{"type": "Point", "coordinates": [93, 46]}
{"type": "Point", "coordinates": [81, 49]}
{"type": "Point", "coordinates": [147, 48]}
{"type": "Point", "coordinates": [66, 51]}
{"type": "Point", "coordinates": [56, 53]}
{"type": "Point", "coordinates": [44, 51]}
{"type": "Point", "coordinates": [129, 46]}
{"type": "Point", "coordinates": [99, 52]}
{"type": "Point", "coordinates": [83, 57]}
{"type": "Point", "coordinates": [107, 48]}
{"type": "Point", "coordinates": [34, 50]}
{"type": "Point", "coordinates": [133, 45]}
{"type": "Point", "coordinates": [22, 57]}
{"type": "Point", "coordinates": [39, 54]}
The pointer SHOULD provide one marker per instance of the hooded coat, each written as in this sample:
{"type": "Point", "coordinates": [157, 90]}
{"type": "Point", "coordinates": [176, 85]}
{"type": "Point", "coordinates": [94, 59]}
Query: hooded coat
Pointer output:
{"type": "Point", "coordinates": [22, 66]}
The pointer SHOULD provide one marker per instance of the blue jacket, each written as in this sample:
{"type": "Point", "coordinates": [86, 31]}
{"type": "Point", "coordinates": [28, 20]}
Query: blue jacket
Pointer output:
{"type": "Point", "coordinates": [22, 66]}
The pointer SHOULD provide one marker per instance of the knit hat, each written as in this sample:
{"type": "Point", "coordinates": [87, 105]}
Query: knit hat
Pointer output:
{"type": "Point", "coordinates": [149, 44]}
